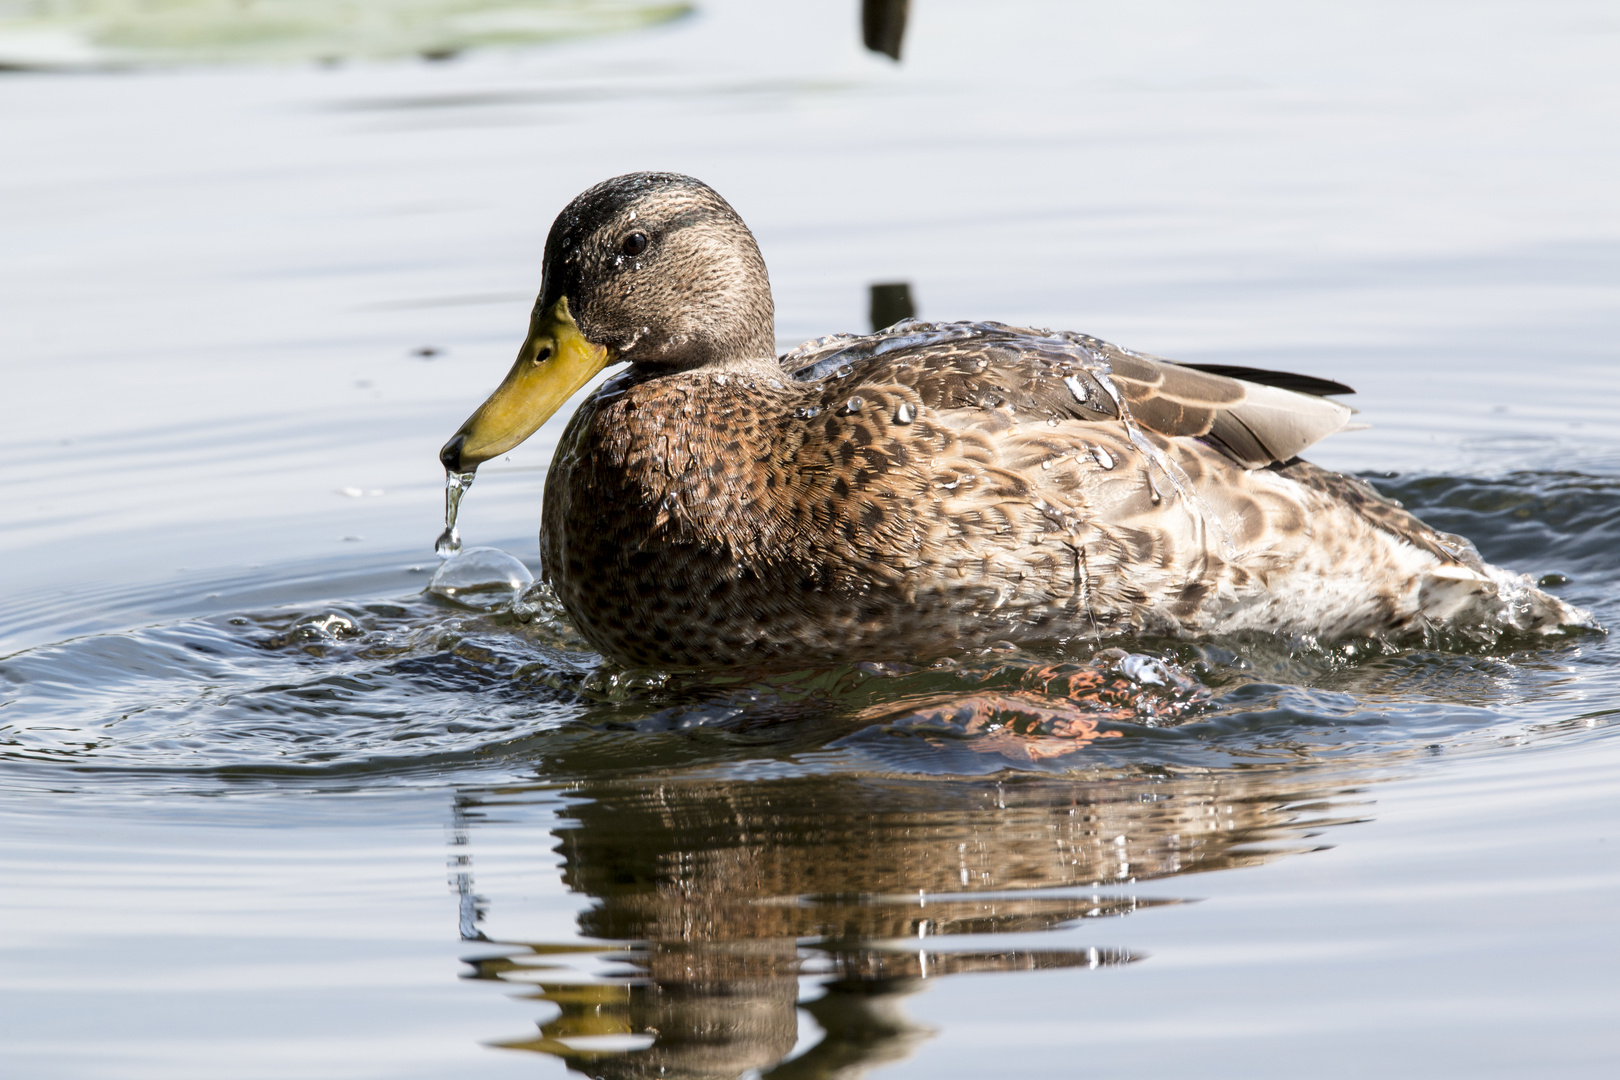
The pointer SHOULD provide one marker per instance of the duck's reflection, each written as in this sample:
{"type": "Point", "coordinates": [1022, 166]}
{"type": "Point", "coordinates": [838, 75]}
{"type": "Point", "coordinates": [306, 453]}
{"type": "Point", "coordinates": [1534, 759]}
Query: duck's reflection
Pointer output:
{"type": "Point", "coordinates": [726, 894]}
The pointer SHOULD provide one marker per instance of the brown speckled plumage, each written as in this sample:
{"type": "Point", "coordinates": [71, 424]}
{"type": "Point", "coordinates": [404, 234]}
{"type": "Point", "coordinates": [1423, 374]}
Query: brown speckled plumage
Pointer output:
{"type": "Point", "coordinates": [936, 488]}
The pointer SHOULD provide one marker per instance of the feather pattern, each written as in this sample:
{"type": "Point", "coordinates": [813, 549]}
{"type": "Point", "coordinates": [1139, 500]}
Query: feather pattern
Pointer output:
{"type": "Point", "coordinates": [942, 487]}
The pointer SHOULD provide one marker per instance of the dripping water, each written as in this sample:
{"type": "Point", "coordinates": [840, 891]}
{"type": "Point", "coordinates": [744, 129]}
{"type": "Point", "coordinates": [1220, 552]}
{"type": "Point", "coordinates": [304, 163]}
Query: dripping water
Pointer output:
{"type": "Point", "coordinates": [455, 486]}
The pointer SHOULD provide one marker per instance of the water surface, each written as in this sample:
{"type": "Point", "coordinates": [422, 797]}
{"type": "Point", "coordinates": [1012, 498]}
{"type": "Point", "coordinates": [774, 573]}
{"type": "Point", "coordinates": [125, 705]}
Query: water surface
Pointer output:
{"type": "Point", "coordinates": [268, 808]}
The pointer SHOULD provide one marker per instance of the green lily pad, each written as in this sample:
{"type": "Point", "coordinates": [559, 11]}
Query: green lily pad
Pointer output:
{"type": "Point", "coordinates": [124, 33]}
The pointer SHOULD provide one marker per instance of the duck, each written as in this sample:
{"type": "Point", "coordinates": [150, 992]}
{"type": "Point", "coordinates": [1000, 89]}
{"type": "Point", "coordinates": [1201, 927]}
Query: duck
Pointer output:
{"type": "Point", "coordinates": [932, 488]}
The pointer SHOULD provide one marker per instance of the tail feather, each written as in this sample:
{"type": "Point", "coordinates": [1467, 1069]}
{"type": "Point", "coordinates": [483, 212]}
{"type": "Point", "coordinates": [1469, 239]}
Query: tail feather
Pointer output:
{"type": "Point", "coordinates": [1495, 600]}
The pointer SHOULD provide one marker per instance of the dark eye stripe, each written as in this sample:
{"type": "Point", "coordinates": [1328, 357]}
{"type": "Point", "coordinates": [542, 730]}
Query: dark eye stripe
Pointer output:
{"type": "Point", "coordinates": [634, 244]}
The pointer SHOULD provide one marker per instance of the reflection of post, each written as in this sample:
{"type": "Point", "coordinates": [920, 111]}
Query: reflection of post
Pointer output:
{"type": "Point", "coordinates": [883, 24]}
{"type": "Point", "coordinates": [718, 895]}
{"type": "Point", "coordinates": [891, 302]}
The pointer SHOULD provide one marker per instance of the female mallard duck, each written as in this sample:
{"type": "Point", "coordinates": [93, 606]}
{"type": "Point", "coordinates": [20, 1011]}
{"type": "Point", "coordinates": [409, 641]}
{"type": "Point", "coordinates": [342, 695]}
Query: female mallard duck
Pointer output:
{"type": "Point", "coordinates": [928, 488]}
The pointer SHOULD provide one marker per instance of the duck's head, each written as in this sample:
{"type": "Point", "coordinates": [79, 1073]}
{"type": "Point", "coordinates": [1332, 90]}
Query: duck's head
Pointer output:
{"type": "Point", "coordinates": [650, 268]}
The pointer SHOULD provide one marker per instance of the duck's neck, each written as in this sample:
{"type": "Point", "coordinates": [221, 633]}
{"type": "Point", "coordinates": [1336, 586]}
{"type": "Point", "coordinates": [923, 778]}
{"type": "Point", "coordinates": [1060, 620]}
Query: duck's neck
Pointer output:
{"type": "Point", "coordinates": [688, 442]}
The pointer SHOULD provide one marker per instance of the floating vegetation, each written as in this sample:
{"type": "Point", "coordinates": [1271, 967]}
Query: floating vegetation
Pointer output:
{"type": "Point", "coordinates": [54, 34]}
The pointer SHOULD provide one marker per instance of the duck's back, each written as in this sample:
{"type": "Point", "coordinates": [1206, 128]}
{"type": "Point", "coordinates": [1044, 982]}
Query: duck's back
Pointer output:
{"type": "Point", "coordinates": [935, 488]}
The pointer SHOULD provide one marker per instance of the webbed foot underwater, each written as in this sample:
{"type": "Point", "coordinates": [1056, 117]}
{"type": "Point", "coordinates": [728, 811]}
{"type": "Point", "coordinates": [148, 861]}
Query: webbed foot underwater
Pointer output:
{"type": "Point", "coordinates": [928, 488]}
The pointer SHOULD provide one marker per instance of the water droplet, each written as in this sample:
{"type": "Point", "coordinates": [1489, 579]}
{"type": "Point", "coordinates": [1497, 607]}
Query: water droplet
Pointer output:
{"type": "Point", "coordinates": [853, 405]}
{"type": "Point", "coordinates": [326, 626]}
{"type": "Point", "coordinates": [904, 413]}
{"type": "Point", "coordinates": [455, 486]}
{"type": "Point", "coordinates": [1047, 463]}
{"type": "Point", "coordinates": [480, 577]}
{"type": "Point", "coordinates": [806, 412]}
{"type": "Point", "coordinates": [843, 371]}
{"type": "Point", "coordinates": [1104, 458]}
{"type": "Point", "coordinates": [1075, 388]}
{"type": "Point", "coordinates": [538, 602]}
{"type": "Point", "coordinates": [1144, 670]}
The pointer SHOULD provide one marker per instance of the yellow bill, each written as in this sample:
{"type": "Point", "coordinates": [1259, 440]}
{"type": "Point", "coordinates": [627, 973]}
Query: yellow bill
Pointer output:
{"type": "Point", "coordinates": [555, 361]}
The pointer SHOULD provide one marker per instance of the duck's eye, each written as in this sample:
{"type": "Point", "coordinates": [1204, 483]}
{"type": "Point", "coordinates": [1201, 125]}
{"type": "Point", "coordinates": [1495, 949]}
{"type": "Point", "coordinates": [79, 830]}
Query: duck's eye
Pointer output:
{"type": "Point", "coordinates": [634, 244]}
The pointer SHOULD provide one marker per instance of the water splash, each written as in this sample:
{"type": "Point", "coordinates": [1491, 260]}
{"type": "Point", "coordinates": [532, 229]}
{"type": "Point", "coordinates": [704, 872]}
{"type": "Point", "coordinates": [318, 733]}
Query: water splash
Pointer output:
{"type": "Point", "coordinates": [455, 486]}
{"type": "Point", "coordinates": [482, 577]}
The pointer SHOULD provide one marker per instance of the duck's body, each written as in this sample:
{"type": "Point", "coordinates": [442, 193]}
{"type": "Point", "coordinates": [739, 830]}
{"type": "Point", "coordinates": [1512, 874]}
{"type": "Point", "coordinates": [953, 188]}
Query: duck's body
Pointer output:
{"type": "Point", "coordinates": [971, 498]}
{"type": "Point", "coordinates": [936, 488]}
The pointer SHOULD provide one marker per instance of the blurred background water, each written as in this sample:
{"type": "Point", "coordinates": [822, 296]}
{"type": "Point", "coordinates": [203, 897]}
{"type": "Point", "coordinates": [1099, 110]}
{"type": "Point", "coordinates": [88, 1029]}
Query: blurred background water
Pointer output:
{"type": "Point", "coordinates": [268, 809]}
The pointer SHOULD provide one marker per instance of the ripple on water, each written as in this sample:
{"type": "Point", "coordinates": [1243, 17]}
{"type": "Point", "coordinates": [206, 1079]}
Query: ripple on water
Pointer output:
{"type": "Point", "coordinates": [480, 674]}
{"type": "Point", "coordinates": [1563, 522]}
{"type": "Point", "coordinates": [339, 685]}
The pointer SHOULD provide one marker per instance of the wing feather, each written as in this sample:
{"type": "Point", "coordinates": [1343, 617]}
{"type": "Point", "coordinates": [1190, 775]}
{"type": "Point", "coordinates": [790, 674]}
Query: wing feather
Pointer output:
{"type": "Point", "coordinates": [1255, 417]}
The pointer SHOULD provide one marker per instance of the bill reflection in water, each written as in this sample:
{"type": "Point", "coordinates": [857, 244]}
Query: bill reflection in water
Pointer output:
{"type": "Point", "coordinates": [717, 896]}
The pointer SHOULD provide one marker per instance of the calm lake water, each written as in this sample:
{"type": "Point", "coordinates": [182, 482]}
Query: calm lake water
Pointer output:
{"type": "Point", "coordinates": [268, 809]}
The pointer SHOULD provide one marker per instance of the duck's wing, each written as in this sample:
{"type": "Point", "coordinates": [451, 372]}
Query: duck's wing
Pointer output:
{"type": "Point", "coordinates": [1283, 380]}
{"type": "Point", "coordinates": [1257, 418]}
{"type": "Point", "coordinates": [1261, 418]}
